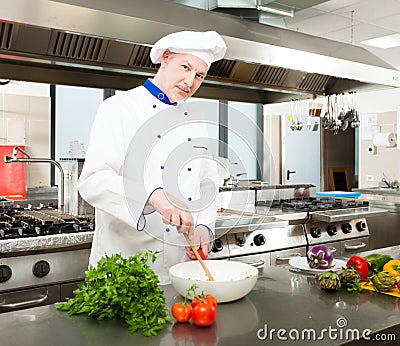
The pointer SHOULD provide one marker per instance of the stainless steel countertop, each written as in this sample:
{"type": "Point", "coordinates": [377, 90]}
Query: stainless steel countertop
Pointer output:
{"type": "Point", "coordinates": [46, 242]}
{"type": "Point", "coordinates": [386, 198]}
{"type": "Point", "coordinates": [281, 299]}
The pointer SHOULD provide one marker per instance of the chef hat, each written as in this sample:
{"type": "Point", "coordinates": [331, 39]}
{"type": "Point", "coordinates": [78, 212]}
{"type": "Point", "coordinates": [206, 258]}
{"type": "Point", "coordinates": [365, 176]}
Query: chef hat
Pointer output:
{"type": "Point", "coordinates": [208, 46]}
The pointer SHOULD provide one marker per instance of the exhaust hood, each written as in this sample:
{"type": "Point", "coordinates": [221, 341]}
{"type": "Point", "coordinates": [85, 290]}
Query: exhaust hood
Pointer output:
{"type": "Point", "coordinates": [106, 44]}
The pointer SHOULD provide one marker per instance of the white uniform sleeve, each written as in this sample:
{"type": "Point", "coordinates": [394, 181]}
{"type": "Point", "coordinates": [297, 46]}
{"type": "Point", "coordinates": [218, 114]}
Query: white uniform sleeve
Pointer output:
{"type": "Point", "coordinates": [101, 180]}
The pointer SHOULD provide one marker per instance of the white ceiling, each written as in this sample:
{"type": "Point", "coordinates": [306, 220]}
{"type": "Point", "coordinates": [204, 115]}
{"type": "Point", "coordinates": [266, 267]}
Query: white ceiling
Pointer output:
{"type": "Point", "coordinates": [333, 20]}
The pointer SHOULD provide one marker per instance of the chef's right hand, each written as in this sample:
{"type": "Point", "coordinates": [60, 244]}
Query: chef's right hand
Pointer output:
{"type": "Point", "coordinates": [172, 211]}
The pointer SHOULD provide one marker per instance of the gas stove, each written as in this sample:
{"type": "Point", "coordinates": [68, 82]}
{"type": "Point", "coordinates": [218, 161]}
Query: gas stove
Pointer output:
{"type": "Point", "coordinates": [339, 224]}
{"type": "Point", "coordinates": [42, 221]}
{"type": "Point", "coordinates": [256, 239]}
{"type": "Point", "coordinates": [44, 254]}
{"type": "Point", "coordinates": [314, 204]}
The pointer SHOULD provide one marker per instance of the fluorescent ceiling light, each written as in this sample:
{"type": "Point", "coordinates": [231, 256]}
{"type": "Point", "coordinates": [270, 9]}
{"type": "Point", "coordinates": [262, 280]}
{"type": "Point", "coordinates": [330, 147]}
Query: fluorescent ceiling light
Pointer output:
{"type": "Point", "coordinates": [276, 11]}
{"type": "Point", "coordinates": [388, 41]}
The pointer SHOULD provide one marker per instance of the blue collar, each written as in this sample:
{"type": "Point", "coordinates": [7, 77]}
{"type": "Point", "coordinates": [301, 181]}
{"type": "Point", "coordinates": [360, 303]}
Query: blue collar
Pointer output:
{"type": "Point", "coordinates": [157, 92]}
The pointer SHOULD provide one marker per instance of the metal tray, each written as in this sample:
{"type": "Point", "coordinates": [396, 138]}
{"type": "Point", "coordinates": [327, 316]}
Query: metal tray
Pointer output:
{"type": "Point", "coordinates": [347, 214]}
{"type": "Point", "coordinates": [232, 221]}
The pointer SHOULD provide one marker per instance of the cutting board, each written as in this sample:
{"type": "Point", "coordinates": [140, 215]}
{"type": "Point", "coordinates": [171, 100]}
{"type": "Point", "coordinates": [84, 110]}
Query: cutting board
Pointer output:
{"type": "Point", "coordinates": [393, 292]}
{"type": "Point", "coordinates": [12, 175]}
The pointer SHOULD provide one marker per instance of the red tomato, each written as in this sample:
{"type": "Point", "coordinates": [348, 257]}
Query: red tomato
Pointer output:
{"type": "Point", "coordinates": [398, 285]}
{"type": "Point", "coordinates": [182, 311]}
{"type": "Point", "coordinates": [211, 299]}
{"type": "Point", "coordinates": [196, 301]}
{"type": "Point", "coordinates": [201, 253]}
{"type": "Point", "coordinates": [204, 314]}
{"type": "Point", "coordinates": [360, 264]}
{"type": "Point", "coordinates": [204, 299]}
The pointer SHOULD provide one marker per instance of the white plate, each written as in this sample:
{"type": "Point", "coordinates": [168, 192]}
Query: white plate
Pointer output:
{"type": "Point", "coordinates": [302, 264]}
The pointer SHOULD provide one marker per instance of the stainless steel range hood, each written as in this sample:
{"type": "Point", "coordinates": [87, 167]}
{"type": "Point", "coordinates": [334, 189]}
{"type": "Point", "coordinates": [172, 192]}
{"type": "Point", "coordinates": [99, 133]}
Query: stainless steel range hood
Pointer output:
{"type": "Point", "coordinates": [106, 44]}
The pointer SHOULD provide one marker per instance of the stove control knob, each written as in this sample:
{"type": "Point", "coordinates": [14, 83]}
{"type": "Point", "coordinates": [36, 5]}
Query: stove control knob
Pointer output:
{"type": "Point", "coordinates": [315, 232]}
{"type": "Point", "coordinates": [331, 230]}
{"type": "Point", "coordinates": [346, 228]}
{"type": "Point", "coordinates": [361, 226]}
{"type": "Point", "coordinates": [217, 246]}
{"type": "Point", "coordinates": [259, 240]}
{"type": "Point", "coordinates": [41, 268]}
{"type": "Point", "coordinates": [240, 241]}
{"type": "Point", "coordinates": [5, 273]}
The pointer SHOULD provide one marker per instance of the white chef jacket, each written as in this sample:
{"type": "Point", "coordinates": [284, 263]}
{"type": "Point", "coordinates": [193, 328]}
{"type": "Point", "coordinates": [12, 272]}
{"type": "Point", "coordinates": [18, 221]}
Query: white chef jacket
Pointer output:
{"type": "Point", "coordinates": [124, 224]}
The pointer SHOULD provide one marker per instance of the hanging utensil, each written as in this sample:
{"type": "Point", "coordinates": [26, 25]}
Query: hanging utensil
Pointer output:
{"type": "Point", "coordinates": [293, 125]}
{"type": "Point", "coordinates": [341, 106]}
{"type": "Point", "coordinates": [356, 122]}
{"type": "Point", "coordinates": [336, 122]}
{"type": "Point", "coordinates": [345, 125]}
{"type": "Point", "coordinates": [298, 115]}
{"type": "Point", "coordinates": [325, 119]}
{"type": "Point", "coordinates": [308, 125]}
{"type": "Point", "coordinates": [331, 112]}
{"type": "Point", "coordinates": [350, 113]}
{"type": "Point", "coordinates": [343, 115]}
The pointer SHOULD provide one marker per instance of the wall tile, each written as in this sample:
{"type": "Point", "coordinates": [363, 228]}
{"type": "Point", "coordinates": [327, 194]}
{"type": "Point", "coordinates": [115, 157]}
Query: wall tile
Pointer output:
{"type": "Point", "coordinates": [386, 160]}
{"type": "Point", "coordinates": [16, 105]}
{"type": "Point", "coordinates": [38, 135]}
{"type": "Point", "coordinates": [39, 108]}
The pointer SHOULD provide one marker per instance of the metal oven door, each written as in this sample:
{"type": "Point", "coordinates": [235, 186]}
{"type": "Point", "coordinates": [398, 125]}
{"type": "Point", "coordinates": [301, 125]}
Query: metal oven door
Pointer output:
{"type": "Point", "coordinates": [28, 298]}
{"type": "Point", "coordinates": [351, 246]}
{"type": "Point", "coordinates": [259, 261]}
{"type": "Point", "coordinates": [335, 247]}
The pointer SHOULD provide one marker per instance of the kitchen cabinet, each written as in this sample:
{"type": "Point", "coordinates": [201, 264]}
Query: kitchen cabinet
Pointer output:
{"type": "Point", "coordinates": [281, 299]}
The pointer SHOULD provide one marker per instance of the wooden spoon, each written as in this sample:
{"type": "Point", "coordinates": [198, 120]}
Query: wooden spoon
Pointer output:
{"type": "Point", "coordinates": [196, 253]}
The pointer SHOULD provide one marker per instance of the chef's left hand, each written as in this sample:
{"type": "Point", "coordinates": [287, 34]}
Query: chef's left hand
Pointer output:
{"type": "Point", "coordinates": [200, 239]}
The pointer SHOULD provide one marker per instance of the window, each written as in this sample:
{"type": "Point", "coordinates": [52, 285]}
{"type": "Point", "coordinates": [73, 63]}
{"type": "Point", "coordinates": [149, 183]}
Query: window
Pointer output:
{"type": "Point", "coordinates": [76, 108]}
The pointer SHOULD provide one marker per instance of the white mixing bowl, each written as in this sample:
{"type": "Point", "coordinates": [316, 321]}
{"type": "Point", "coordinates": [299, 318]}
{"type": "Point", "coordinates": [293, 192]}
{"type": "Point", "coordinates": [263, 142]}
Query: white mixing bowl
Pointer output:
{"type": "Point", "coordinates": [232, 280]}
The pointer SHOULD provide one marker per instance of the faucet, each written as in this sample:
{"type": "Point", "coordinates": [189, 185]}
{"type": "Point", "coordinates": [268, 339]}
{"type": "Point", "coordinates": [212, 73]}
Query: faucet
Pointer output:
{"type": "Point", "coordinates": [29, 159]}
{"type": "Point", "coordinates": [231, 181]}
{"type": "Point", "coordinates": [392, 184]}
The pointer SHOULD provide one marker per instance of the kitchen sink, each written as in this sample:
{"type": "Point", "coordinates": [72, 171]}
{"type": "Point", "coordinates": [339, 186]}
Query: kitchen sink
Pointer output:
{"type": "Point", "coordinates": [381, 190]}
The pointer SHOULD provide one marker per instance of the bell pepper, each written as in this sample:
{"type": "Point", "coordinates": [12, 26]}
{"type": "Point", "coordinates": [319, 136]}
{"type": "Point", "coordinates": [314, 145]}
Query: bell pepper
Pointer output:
{"type": "Point", "coordinates": [359, 264]}
{"type": "Point", "coordinates": [376, 262]}
{"type": "Point", "coordinates": [392, 267]}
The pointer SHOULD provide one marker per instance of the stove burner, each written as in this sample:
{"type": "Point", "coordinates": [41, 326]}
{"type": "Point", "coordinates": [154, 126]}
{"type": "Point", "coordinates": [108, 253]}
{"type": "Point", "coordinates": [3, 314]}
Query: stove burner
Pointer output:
{"type": "Point", "coordinates": [21, 223]}
{"type": "Point", "coordinates": [313, 204]}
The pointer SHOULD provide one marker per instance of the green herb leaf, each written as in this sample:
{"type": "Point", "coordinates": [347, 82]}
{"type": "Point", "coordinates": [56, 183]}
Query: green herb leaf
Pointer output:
{"type": "Point", "coordinates": [125, 288]}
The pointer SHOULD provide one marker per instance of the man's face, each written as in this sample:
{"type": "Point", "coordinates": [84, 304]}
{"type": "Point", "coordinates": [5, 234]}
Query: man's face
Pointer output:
{"type": "Point", "coordinates": [182, 75]}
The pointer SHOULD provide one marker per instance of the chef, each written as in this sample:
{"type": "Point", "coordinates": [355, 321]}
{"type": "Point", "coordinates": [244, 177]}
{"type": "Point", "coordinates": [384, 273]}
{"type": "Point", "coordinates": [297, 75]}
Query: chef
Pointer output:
{"type": "Point", "coordinates": [148, 170]}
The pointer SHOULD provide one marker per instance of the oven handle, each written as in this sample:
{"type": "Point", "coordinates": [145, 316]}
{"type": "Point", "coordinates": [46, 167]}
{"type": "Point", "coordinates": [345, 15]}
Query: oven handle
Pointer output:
{"type": "Point", "coordinates": [287, 258]}
{"type": "Point", "coordinates": [25, 303]}
{"type": "Point", "coordinates": [259, 264]}
{"type": "Point", "coordinates": [355, 247]}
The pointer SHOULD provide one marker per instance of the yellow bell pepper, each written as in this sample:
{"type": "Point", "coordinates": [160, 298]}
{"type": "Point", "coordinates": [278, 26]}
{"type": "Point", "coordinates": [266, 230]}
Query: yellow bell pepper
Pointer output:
{"type": "Point", "coordinates": [392, 267]}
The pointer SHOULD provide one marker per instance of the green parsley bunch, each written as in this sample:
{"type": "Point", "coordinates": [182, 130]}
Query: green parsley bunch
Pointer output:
{"type": "Point", "coordinates": [125, 288]}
